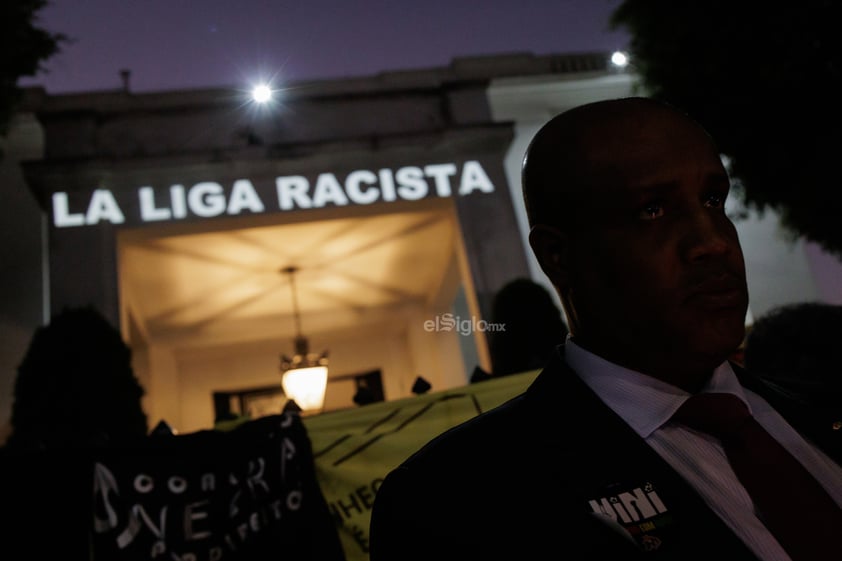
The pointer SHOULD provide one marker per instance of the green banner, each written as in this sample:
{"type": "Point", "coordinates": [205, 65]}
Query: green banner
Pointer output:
{"type": "Point", "coordinates": [355, 448]}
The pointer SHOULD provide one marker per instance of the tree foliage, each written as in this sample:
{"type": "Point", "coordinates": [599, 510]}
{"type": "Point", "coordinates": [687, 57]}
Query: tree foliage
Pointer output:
{"type": "Point", "coordinates": [23, 48]}
{"type": "Point", "coordinates": [765, 81]}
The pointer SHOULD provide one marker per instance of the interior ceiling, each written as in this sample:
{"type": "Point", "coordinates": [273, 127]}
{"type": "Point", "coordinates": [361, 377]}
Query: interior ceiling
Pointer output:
{"type": "Point", "coordinates": [213, 287]}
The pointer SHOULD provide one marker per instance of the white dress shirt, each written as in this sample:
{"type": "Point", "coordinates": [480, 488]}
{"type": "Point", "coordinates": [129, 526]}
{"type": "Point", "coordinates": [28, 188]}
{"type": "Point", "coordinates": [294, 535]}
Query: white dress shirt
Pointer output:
{"type": "Point", "coordinates": [647, 404]}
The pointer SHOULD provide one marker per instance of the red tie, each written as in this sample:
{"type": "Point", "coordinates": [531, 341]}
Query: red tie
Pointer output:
{"type": "Point", "coordinates": [791, 503]}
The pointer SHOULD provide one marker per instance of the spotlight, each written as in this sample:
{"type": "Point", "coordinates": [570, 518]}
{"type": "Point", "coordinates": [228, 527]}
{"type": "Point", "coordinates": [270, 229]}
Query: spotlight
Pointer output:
{"type": "Point", "coordinates": [261, 93]}
{"type": "Point", "coordinates": [619, 59]}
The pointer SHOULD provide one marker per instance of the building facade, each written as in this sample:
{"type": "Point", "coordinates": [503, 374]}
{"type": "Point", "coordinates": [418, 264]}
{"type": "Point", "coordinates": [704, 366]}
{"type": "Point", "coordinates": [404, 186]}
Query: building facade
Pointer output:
{"type": "Point", "coordinates": [396, 197]}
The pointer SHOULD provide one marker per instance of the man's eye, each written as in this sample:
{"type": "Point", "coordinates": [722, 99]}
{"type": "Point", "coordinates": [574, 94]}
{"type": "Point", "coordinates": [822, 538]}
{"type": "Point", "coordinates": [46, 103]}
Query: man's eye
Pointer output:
{"type": "Point", "coordinates": [651, 211]}
{"type": "Point", "coordinates": [715, 201]}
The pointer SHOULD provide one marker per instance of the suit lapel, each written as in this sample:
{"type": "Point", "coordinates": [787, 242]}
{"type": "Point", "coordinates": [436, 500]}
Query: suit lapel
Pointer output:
{"type": "Point", "coordinates": [614, 472]}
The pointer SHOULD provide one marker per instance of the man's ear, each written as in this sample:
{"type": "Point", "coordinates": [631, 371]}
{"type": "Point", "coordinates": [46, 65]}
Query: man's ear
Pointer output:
{"type": "Point", "coordinates": [550, 246]}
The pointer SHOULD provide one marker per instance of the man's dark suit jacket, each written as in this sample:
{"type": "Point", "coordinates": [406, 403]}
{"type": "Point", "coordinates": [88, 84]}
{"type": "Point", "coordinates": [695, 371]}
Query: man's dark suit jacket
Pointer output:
{"type": "Point", "coordinates": [522, 481]}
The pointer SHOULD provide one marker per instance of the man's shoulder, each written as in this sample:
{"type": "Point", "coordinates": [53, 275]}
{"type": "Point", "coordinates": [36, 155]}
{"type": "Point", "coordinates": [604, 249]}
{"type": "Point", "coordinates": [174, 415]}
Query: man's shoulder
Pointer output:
{"type": "Point", "coordinates": [472, 440]}
{"type": "Point", "coordinates": [815, 418]}
{"type": "Point", "coordinates": [523, 426]}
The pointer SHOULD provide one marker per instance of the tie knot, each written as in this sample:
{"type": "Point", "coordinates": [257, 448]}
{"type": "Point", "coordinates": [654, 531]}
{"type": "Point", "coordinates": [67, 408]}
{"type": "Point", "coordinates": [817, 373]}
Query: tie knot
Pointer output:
{"type": "Point", "coordinates": [717, 414]}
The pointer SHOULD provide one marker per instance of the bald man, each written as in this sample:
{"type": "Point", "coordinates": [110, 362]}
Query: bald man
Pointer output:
{"type": "Point", "coordinates": [626, 203]}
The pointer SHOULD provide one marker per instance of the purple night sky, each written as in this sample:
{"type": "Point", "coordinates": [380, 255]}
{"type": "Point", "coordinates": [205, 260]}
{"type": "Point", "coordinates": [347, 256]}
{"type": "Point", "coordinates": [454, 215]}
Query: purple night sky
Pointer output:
{"type": "Point", "coordinates": [176, 44]}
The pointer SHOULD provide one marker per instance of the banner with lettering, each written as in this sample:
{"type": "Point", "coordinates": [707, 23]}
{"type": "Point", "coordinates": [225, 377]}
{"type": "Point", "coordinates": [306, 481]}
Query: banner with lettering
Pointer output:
{"type": "Point", "coordinates": [354, 449]}
{"type": "Point", "coordinates": [246, 494]}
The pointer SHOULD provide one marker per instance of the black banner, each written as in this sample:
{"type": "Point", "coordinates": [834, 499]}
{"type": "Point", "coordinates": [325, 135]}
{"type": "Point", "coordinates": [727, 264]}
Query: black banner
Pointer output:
{"type": "Point", "coordinates": [250, 493]}
{"type": "Point", "coordinates": [247, 494]}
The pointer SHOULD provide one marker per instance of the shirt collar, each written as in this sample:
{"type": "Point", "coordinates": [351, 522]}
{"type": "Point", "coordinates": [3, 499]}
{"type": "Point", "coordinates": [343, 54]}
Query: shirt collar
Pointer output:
{"type": "Point", "coordinates": [644, 402]}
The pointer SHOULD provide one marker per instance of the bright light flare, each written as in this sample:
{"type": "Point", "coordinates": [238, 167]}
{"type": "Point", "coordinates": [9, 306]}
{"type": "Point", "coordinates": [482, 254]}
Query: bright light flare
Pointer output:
{"type": "Point", "coordinates": [619, 59]}
{"type": "Point", "coordinates": [261, 93]}
{"type": "Point", "coordinates": [306, 386]}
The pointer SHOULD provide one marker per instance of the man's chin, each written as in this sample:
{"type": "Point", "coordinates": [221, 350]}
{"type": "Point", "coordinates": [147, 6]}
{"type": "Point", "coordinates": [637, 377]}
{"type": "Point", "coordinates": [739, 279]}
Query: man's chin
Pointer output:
{"type": "Point", "coordinates": [715, 349]}
{"type": "Point", "coordinates": [711, 341]}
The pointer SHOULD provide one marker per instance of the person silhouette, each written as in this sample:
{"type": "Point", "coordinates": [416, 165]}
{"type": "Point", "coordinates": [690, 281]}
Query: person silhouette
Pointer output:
{"type": "Point", "coordinates": [526, 327]}
{"type": "Point", "coordinates": [76, 386]}
{"type": "Point", "coordinates": [532, 327]}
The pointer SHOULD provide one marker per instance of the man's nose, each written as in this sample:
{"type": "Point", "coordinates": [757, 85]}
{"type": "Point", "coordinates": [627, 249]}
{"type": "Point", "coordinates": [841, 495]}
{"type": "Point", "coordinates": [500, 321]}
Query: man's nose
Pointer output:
{"type": "Point", "coordinates": [708, 235]}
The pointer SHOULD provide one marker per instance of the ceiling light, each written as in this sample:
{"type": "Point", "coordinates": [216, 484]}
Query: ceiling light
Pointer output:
{"type": "Point", "coordinates": [304, 376]}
